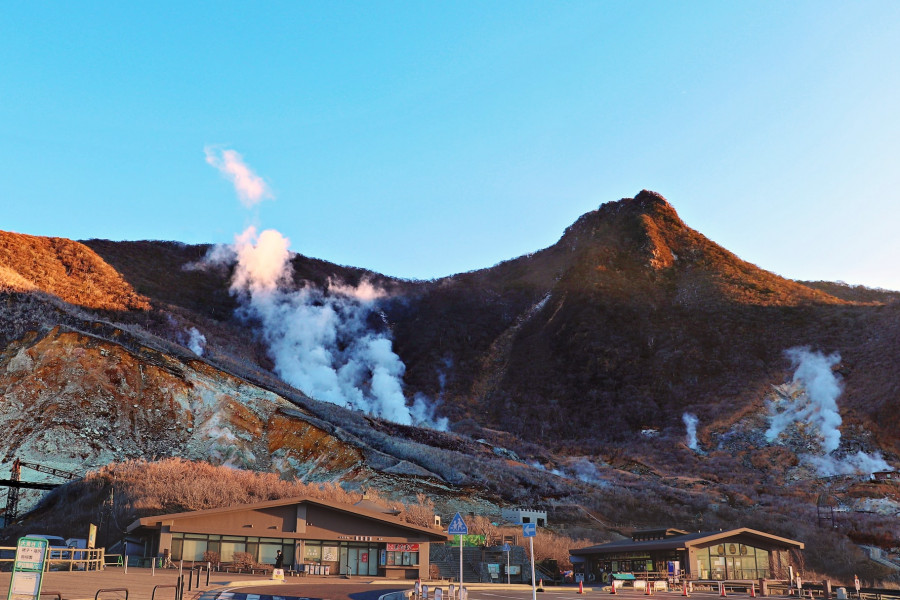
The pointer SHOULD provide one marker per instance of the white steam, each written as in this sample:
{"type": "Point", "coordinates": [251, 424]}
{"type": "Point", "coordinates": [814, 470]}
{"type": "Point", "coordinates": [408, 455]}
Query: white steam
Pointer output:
{"type": "Point", "coordinates": [810, 402]}
{"type": "Point", "coordinates": [690, 424]}
{"type": "Point", "coordinates": [424, 411]}
{"type": "Point", "coordinates": [250, 187]}
{"type": "Point", "coordinates": [816, 405]}
{"type": "Point", "coordinates": [319, 341]}
{"type": "Point", "coordinates": [196, 341]}
{"type": "Point", "coordinates": [828, 465]}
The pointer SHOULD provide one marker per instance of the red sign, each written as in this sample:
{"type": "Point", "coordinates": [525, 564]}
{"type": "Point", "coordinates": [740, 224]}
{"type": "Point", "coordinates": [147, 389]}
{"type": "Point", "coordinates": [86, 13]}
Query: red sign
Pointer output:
{"type": "Point", "coordinates": [364, 557]}
{"type": "Point", "coordinates": [402, 547]}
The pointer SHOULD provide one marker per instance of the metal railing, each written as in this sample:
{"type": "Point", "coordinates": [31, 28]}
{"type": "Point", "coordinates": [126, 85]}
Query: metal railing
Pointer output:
{"type": "Point", "coordinates": [60, 559]}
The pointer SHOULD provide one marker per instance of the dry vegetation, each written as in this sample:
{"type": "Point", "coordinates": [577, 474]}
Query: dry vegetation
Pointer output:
{"type": "Point", "coordinates": [627, 322]}
{"type": "Point", "coordinates": [120, 493]}
{"type": "Point", "coordinates": [66, 269]}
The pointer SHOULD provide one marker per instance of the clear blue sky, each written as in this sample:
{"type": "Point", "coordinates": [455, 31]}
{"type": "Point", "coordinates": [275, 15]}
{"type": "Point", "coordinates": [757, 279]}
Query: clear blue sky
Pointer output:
{"type": "Point", "coordinates": [425, 138]}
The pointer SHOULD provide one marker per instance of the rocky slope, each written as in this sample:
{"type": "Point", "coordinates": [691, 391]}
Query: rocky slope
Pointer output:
{"type": "Point", "coordinates": [565, 375]}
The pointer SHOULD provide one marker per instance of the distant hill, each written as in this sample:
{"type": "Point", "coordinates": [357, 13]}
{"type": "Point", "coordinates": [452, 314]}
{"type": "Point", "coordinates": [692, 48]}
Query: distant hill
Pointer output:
{"type": "Point", "coordinates": [565, 375]}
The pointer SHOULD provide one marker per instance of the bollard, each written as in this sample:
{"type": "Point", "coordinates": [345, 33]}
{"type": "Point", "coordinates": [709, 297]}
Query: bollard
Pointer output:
{"type": "Point", "coordinates": [826, 589]}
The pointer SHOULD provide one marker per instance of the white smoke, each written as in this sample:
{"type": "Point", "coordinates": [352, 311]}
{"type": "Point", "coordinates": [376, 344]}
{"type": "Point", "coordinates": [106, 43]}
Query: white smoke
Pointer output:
{"type": "Point", "coordinates": [196, 341]}
{"type": "Point", "coordinates": [250, 187]}
{"type": "Point", "coordinates": [586, 471]}
{"type": "Point", "coordinates": [813, 405]}
{"type": "Point", "coordinates": [319, 341]}
{"type": "Point", "coordinates": [424, 412]}
{"type": "Point", "coordinates": [690, 422]}
{"type": "Point", "coordinates": [817, 404]}
{"type": "Point", "coordinates": [828, 465]}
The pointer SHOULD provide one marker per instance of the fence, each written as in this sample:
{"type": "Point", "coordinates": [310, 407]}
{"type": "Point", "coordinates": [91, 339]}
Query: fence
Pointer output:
{"type": "Point", "coordinates": [58, 559]}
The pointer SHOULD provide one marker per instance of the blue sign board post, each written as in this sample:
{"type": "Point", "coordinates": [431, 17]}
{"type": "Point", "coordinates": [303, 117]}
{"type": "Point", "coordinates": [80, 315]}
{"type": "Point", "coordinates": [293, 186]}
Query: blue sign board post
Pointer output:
{"type": "Point", "coordinates": [459, 527]}
{"type": "Point", "coordinates": [507, 548]}
{"type": "Point", "coordinates": [529, 530]}
{"type": "Point", "coordinates": [28, 570]}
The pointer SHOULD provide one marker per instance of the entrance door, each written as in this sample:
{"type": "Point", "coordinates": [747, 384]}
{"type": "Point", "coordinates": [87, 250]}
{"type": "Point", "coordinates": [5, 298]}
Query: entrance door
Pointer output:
{"type": "Point", "coordinates": [353, 561]}
{"type": "Point", "coordinates": [733, 567]}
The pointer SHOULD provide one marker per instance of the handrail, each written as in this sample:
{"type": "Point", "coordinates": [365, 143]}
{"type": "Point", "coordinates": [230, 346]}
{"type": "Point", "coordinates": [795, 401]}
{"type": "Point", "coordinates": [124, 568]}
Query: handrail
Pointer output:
{"type": "Point", "coordinates": [163, 587]}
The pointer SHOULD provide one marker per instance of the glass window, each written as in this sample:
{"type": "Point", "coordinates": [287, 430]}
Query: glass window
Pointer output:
{"type": "Point", "coordinates": [229, 548]}
{"type": "Point", "coordinates": [193, 550]}
{"type": "Point", "coordinates": [268, 552]}
{"type": "Point", "coordinates": [703, 564]}
{"type": "Point", "coordinates": [762, 562]}
{"type": "Point", "coordinates": [312, 552]}
{"type": "Point", "coordinates": [176, 547]}
{"type": "Point", "coordinates": [405, 559]}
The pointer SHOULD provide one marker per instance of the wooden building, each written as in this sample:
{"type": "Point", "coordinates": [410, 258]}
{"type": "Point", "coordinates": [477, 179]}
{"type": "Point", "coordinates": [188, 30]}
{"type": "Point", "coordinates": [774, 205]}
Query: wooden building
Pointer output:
{"type": "Point", "coordinates": [314, 535]}
{"type": "Point", "coordinates": [734, 554]}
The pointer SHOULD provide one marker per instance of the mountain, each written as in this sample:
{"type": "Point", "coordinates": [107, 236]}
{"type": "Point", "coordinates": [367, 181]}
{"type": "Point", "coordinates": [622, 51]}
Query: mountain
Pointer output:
{"type": "Point", "coordinates": [565, 375]}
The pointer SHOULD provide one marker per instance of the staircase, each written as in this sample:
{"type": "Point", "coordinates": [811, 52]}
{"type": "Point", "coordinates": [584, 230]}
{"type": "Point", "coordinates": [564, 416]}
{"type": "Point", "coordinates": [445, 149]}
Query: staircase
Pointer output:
{"type": "Point", "coordinates": [475, 563]}
{"type": "Point", "coordinates": [447, 561]}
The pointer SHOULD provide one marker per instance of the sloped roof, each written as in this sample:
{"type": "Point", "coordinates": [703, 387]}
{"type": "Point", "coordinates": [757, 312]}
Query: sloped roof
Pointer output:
{"type": "Point", "coordinates": [682, 542]}
{"type": "Point", "coordinates": [157, 520]}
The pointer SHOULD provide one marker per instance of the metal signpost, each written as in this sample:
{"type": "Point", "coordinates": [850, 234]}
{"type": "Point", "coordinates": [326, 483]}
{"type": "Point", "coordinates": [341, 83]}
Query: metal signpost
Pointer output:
{"type": "Point", "coordinates": [507, 548]}
{"type": "Point", "coordinates": [529, 530]}
{"type": "Point", "coordinates": [459, 527]}
{"type": "Point", "coordinates": [28, 570]}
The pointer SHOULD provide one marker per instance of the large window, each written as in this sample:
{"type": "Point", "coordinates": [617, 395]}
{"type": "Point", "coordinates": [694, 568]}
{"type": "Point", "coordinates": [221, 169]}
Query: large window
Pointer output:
{"type": "Point", "coordinates": [192, 547]}
{"type": "Point", "coordinates": [733, 561]}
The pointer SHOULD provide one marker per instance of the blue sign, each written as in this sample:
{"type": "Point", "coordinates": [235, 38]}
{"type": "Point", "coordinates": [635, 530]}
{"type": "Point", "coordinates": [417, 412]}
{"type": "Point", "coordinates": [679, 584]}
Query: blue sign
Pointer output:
{"type": "Point", "coordinates": [529, 529]}
{"type": "Point", "coordinates": [458, 526]}
{"type": "Point", "coordinates": [506, 548]}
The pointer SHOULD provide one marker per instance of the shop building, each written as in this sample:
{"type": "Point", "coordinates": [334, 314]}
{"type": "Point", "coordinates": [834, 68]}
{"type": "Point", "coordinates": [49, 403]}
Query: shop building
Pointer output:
{"type": "Point", "coordinates": [734, 554]}
{"type": "Point", "coordinates": [315, 536]}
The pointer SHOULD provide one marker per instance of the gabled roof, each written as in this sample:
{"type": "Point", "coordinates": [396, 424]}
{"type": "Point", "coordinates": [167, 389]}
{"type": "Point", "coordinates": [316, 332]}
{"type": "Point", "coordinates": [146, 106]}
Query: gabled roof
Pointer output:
{"type": "Point", "coordinates": [682, 542]}
{"type": "Point", "coordinates": [157, 520]}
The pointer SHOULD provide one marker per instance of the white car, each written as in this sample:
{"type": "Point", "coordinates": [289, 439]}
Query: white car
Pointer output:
{"type": "Point", "coordinates": [56, 545]}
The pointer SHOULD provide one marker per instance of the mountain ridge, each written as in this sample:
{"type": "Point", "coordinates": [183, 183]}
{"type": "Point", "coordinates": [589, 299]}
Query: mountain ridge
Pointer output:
{"type": "Point", "coordinates": [564, 373]}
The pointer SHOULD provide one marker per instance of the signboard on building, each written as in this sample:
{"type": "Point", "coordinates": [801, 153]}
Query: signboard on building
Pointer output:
{"type": "Point", "coordinates": [402, 547]}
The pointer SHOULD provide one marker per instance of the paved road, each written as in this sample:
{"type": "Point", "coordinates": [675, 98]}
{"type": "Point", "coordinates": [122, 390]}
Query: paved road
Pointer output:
{"type": "Point", "coordinates": [342, 591]}
{"type": "Point", "coordinates": [328, 591]}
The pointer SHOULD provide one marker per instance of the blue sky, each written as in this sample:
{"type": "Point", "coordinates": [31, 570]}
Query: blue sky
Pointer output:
{"type": "Point", "coordinates": [420, 139]}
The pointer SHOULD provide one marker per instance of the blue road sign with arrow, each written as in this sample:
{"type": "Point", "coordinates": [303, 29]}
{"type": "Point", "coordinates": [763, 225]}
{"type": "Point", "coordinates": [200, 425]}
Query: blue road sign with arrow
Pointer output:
{"type": "Point", "coordinates": [458, 526]}
{"type": "Point", "coordinates": [529, 529]}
